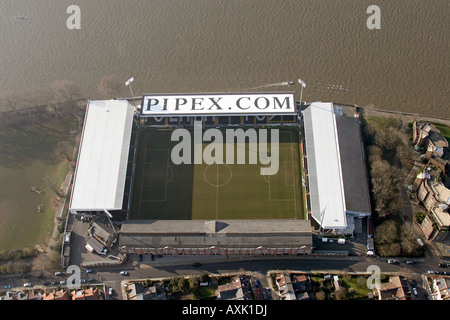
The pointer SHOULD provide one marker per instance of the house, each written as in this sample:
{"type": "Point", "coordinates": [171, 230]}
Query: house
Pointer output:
{"type": "Point", "coordinates": [102, 235]}
{"type": "Point", "coordinates": [14, 296]}
{"type": "Point", "coordinates": [102, 230]}
{"type": "Point", "coordinates": [441, 288]}
{"type": "Point", "coordinates": [57, 295]}
{"type": "Point", "coordinates": [436, 199]}
{"type": "Point", "coordinates": [87, 294]}
{"type": "Point", "coordinates": [137, 291]}
{"type": "Point", "coordinates": [34, 295]}
{"type": "Point", "coordinates": [292, 287]}
{"type": "Point", "coordinates": [237, 289]}
{"type": "Point", "coordinates": [285, 287]}
{"type": "Point", "coordinates": [426, 135]}
{"type": "Point", "coordinates": [396, 289]}
{"type": "Point", "coordinates": [300, 283]}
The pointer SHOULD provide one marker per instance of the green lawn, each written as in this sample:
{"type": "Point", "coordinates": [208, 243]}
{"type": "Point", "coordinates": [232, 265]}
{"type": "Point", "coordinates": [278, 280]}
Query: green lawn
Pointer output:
{"type": "Point", "coordinates": [382, 123]}
{"type": "Point", "coordinates": [445, 130]}
{"type": "Point", "coordinates": [163, 190]}
{"type": "Point", "coordinates": [206, 293]}
{"type": "Point", "coordinates": [356, 286]}
{"type": "Point", "coordinates": [27, 157]}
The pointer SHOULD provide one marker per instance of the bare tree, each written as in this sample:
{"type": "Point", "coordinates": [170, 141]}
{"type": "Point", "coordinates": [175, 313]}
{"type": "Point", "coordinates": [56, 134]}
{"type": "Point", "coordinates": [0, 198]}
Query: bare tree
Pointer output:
{"type": "Point", "coordinates": [386, 233]}
{"type": "Point", "coordinates": [65, 91]}
{"type": "Point", "coordinates": [53, 185]}
{"type": "Point", "coordinates": [38, 97]}
{"type": "Point", "coordinates": [320, 295]}
{"type": "Point", "coordinates": [341, 294]}
{"type": "Point", "coordinates": [109, 86]}
{"type": "Point", "coordinates": [65, 150]}
{"type": "Point", "coordinates": [386, 185]}
{"type": "Point", "coordinates": [10, 101]}
{"type": "Point", "coordinates": [409, 244]}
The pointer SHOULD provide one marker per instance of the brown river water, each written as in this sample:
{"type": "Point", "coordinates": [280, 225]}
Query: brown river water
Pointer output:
{"type": "Point", "coordinates": [235, 46]}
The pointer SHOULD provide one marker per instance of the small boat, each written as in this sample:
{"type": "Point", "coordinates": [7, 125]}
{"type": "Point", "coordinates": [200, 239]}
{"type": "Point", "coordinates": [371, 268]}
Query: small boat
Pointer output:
{"type": "Point", "coordinates": [21, 18]}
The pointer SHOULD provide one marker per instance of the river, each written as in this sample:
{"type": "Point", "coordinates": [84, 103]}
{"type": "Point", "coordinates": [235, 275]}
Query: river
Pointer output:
{"type": "Point", "coordinates": [235, 46]}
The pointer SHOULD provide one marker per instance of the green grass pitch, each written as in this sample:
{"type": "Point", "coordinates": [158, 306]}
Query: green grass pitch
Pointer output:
{"type": "Point", "coordinates": [165, 191]}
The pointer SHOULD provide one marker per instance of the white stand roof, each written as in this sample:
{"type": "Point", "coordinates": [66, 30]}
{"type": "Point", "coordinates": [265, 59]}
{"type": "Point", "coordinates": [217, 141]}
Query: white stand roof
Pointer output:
{"type": "Point", "coordinates": [103, 156]}
{"type": "Point", "coordinates": [324, 166]}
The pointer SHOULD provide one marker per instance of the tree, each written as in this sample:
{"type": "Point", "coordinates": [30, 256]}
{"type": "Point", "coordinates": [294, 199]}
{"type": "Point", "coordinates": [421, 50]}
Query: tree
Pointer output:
{"type": "Point", "coordinates": [387, 139]}
{"type": "Point", "coordinates": [183, 284]}
{"type": "Point", "coordinates": [65, 150]}
{"type": "Point", "coordinates": [408, 243]}
{"type": "Point", "coordinates": [38, 97]}
{"type": "Point", "coordinates": [386, 232]}
{"type": "Point", "coordinates": [109, 86]}
{"type": "Point", "coordinates": [194, 283]}
{"type": "Point", "coordinates": [204, 277]}
{"type": "Point", "coordinates": [419, 217]}
{"type": "Point", "coordinates": [320, 295]}
{"type": "Point", "coordinates": [375, 153]}
{"type": "Point", "coordinates": [10, 101]}
{"type": "Point", "coordinates": [386, 185]}
{"type": "Point", "coordinates": [173, 282]}
{"type": "Point", "coordinates": [65, 91]}
{"type": "Point", "coordinates": [341, 294]}
{"type": "Point", "coordinates": [53, 185]}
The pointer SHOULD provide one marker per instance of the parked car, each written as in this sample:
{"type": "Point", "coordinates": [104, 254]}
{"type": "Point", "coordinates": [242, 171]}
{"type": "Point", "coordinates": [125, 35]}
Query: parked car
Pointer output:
{"type": "Point", "coordinates": [196, 264]}
{"type": "Point", "coordinates": [62, 282]}
{"type": "Point", "coordinates": [415, 291]}
{"type": "Point", "coordinates": [442, 265]}
{"type": "Point", "coordinates": [83, 280]}
{"type": "Point", "coordinates": [89, 271]}
{"type": "Point", "coordinates": [124, 273]}
{"type": "Point", "coordinates": [90, 280]}
{"type": "Point", "coordinates": [58, 273]}
{"type": "Point", "coordinates": [431, 272]}
{"type": "Point", "coordinates": [256, 282]}
{"type": "Point", "coordinates": [409, 262]}
{"type": "Point", "coordinates": [392, 261]}
{"type": "Point", "coordinates": [27, 284]}
{"type": "Point", "coordinates": [7, 286]}
{"type": "Point", "coordinates": [110, 291]}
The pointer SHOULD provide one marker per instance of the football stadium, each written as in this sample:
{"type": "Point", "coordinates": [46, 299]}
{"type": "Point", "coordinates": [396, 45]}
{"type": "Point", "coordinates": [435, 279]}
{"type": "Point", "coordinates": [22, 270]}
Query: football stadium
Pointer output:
{"type": "Point", "coordinates": [215, 173]}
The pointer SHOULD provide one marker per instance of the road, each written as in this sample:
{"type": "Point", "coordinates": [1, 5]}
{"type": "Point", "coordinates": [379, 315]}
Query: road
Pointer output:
{"type": "Point", "coordinates": [258, 267]}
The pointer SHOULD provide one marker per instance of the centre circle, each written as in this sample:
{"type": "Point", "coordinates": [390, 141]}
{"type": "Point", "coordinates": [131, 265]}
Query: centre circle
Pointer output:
{"type": "Point", "coordinates": [217, 175]}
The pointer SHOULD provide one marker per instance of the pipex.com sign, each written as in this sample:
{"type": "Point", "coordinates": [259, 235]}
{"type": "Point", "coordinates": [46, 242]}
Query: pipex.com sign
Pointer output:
{"type": "Point", "coordinates": [218, 104]}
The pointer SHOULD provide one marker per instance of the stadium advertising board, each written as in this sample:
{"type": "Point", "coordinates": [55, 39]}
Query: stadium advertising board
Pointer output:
{"type": "Point", "coordinates": [218, 104]}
